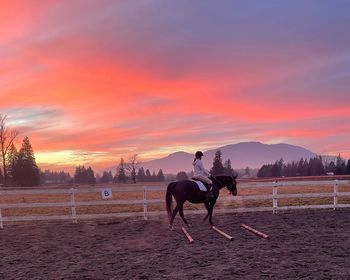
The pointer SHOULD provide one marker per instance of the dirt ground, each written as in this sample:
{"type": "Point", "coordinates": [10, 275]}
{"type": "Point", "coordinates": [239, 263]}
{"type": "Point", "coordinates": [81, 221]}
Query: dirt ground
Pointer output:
{"type": "Point", "coordinates": [302, 245]}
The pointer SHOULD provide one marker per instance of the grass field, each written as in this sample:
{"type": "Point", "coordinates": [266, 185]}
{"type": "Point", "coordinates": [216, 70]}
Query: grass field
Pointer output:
{"type": "Point", "coordinates": [138, 195]}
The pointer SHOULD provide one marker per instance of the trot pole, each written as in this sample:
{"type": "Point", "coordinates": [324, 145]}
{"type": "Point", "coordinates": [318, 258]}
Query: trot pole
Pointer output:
{"type": "Point", "coordinates": [222, 233]}
{"type": "Point", "coordinates": [263, 235]}
{"type": "Point", "coordinates": [189, 237]}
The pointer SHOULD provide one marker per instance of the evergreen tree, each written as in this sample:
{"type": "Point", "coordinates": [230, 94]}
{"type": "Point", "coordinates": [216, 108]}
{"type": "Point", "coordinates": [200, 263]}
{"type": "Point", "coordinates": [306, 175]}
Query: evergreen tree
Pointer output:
{"type": "Point", "coordinates": [154, 177]}
{"type": "Point", "coordinates": [148, 176]}
{"type": "Point", "coordinates": [331, 167]}
{"type": "Point", "coordinates": [300, 167]}
{"type": "Point", "coordinates": [106, 177]}
{"type": "Point", "coordinates": [12, 159]}
{"type": "Point", "coordinates": [276, 171]}
{"type": "Point", "coordinates": [141, 176]}
{"type": "Point", "coordinates": [160, 176]}
{"type": "Point", "coordinates": [218, 168]}
{"type": "Point", "coordinates": [340, 166]}
{"type": "Point", "coordinates": [347, 170]}
{"type": "Point", "coordinates": [78, 174]}
{"type": "Point", "coordinates": [110, 177]}
{"type": "Point", "coordinates": [316, 167]}
{"type": "Point", "coordinates": [305, 168]}
{"type": "Point", "coordinates": [121, 172]}
{"type": "Point", "coordinates": [26, 172]}
{"type": "Point", "coordinates": [228, 168]}
{"type": "Point", "coordinates": [90, 177]}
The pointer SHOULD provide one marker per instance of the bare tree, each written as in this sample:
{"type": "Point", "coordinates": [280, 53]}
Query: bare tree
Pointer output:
{"type": "Point", "coordinates": [7, 137]}
{"type": "Point", "coordinates": [132, 167]}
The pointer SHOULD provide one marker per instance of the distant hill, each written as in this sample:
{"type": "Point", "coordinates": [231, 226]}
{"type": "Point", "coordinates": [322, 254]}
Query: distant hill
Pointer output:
{"type": "Point", "coordinates": [252, 154]}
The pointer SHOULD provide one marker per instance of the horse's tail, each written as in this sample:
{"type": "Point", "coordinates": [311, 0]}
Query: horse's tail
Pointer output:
{"type": "Point", "coordinates": [169, 198]}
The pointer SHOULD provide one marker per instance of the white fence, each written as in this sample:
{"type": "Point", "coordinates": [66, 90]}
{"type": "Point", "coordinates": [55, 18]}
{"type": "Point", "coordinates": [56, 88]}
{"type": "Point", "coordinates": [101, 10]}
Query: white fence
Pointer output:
{"type": "Point", "coordinates": [72, 203]}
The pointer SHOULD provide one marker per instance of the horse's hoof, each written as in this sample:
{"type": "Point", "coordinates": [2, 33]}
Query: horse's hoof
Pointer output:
{"type": "Point", "coordinates": [171, 227]}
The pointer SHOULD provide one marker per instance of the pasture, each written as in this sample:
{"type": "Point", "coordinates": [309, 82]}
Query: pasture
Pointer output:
{"type": "Point", "coordinates": [304, 244]}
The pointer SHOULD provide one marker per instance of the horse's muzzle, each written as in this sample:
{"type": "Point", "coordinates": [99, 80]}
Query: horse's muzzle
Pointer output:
{"type": "Point", "coordinates": [234, 192]}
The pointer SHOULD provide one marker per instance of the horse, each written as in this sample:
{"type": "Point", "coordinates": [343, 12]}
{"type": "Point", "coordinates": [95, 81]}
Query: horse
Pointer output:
{"type": "Point", "coordinates": [188, 190]}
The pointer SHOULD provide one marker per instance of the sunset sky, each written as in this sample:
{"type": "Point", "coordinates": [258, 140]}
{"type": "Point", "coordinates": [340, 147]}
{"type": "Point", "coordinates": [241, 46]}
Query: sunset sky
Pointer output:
{"type": "Point", "coordinates": [92, 81]}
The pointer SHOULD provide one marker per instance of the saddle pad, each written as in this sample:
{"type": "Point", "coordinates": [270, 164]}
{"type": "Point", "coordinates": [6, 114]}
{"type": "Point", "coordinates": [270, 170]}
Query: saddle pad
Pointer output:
{"type": "Point", "coordinates": [200, 185]}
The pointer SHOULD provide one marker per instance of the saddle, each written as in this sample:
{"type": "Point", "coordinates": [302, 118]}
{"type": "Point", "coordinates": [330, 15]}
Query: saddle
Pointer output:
{"type": "Point", "coordinates": [201, 185]}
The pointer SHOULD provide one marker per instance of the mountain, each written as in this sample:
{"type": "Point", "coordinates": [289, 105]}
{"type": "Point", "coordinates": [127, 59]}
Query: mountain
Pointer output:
{"type": "Point", "coordinates": [252, 154]}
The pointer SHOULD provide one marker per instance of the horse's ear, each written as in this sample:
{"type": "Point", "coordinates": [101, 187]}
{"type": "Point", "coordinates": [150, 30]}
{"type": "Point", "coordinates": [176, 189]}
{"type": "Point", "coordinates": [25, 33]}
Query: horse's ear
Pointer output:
{"type": "Point", "coordinates": [234, 177]}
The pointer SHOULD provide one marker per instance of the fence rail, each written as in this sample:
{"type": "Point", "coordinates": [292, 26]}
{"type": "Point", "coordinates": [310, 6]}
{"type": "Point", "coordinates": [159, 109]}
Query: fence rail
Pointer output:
{"type": "Point", "coordinates": [73, 203]}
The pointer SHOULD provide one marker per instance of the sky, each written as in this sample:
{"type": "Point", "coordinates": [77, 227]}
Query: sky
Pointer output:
{"type": "Point", "coordinates": [92, 81]}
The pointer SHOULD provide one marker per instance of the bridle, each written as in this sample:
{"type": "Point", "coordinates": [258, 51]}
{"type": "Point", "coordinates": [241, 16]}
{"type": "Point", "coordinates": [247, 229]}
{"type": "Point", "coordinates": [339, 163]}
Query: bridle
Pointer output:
{"type": "Point", "coordinates": [222, 185]}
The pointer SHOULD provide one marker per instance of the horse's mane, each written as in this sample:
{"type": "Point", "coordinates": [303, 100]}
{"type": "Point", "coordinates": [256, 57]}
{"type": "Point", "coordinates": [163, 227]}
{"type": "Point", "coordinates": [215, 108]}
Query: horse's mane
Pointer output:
{"type": "Point", "coordinates": [220, 176]}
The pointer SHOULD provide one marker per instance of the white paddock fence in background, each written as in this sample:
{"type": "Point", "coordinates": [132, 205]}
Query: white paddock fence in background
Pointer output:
{"type": "Point", "coordinates": [72, 203]}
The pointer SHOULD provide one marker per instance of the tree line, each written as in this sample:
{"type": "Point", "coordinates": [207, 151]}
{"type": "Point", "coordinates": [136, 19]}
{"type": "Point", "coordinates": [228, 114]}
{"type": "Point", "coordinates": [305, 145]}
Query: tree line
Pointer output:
{"type": "Point", "coordinates": [125, 172]}
{"type": "Point", "coordinates": [54, 177]}
{"type": "Point", "coordinates": [141, 176]}
{"type": "Point", "coordinates": [305, 167]}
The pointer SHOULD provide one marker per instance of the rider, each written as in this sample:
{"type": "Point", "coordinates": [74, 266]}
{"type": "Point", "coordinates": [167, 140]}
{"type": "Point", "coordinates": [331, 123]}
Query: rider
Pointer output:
{"type": "Point", "coordinates": [201, 174]}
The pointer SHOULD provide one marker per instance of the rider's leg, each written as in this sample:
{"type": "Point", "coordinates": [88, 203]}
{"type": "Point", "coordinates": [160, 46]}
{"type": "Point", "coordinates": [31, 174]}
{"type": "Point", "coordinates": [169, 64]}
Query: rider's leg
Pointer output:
{"type": "Point", "coordinates": [209, 193]}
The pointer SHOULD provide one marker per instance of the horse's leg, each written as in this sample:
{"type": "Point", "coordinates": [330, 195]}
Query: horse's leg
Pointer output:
{"type": "Point", "coordinates": [181, 212]}
{"type": "Point", "coordinates": [174, 214]}
{"type": "Point", "coordinates": [211, 208]}
{"type": "Point", "coordinates": [207, 207]}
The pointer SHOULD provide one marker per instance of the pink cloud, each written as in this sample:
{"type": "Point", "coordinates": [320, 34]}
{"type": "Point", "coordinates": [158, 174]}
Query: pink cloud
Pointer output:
{"type": "Point", "coordinates": [120, 87]}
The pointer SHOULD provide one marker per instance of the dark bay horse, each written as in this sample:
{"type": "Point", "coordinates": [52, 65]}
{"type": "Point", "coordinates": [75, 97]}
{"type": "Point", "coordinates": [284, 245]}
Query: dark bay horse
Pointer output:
{"type": "Point", "coordinates": [188, 191]}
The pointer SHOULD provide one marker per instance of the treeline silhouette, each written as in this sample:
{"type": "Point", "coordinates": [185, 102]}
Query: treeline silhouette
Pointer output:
{"type": "Point", "coordinates": [21, 168]}
{"type": "Point", "coordinates": [141, 176]}
{"type": "Point", "coordinates": [305, 167]}
{"type": "Point", "coordinates": [53, 177]}
{"type": "Point", "coordinates": [84, 175]}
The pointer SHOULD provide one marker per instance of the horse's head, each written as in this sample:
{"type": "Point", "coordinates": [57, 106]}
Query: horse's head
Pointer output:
{"type": "Point", "coordinates": [232, 185]}
{"type": "Point", "coordinates": [229, 182]}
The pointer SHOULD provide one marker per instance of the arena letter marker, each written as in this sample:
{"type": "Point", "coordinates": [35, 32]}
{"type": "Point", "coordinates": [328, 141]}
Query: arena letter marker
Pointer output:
{"type": "Point", "coordinates": [222, 233]}
{"type": "Point", "coordinates": [190, 239]}
{"type": "Point", "coordinates": [263, 235]}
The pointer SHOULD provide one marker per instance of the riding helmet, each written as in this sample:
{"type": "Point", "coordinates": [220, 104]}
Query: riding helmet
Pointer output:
{"type": "Point", "coordinates": [199, 154]}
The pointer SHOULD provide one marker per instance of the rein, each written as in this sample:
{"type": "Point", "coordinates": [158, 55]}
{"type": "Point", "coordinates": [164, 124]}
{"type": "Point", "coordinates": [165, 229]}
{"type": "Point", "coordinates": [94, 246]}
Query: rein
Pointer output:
{"type": "Point", "coordinates": [217, 181]}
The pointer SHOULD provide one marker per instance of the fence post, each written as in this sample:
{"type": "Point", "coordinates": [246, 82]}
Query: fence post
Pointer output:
{"type": "Point", "coordinates": [335, 194]}
{"type": "Point", "coordinates": [144, 203]}
{"type": "Point", "coordinates": [274, 197]}
{"type": "Point", "coordinates": [72, 204]}
{"type": "Point", "coordinates": [1, 223]}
